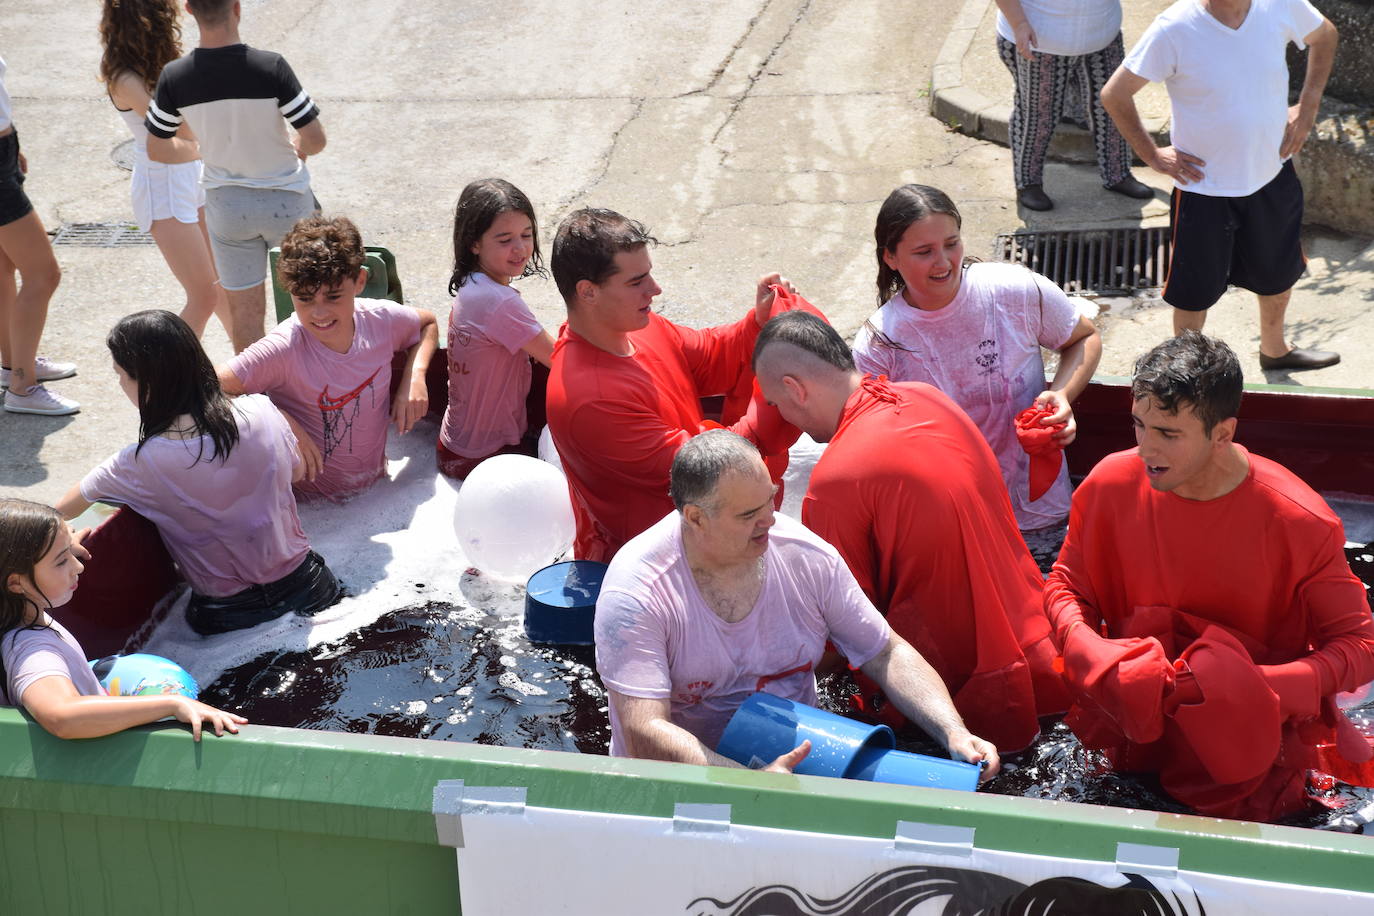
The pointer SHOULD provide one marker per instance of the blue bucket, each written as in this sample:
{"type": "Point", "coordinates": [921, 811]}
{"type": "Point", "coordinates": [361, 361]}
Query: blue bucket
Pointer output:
{"type": "Point", "coordinates": [560, 603]}
{"type": "Point", "coordinates": [907, 769]}
{"type": "Point", "coordinates": [765, 727]}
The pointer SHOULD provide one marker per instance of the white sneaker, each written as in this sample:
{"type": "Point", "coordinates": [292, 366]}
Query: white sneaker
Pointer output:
{"type": "Point", "coordinates": [40, 400]}
{"type": "Point", "coordinates": [47, 370]}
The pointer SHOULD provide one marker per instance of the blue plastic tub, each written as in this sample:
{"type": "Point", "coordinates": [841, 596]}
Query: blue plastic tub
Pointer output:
{"type": "Point", "coordinates": [560, 602]}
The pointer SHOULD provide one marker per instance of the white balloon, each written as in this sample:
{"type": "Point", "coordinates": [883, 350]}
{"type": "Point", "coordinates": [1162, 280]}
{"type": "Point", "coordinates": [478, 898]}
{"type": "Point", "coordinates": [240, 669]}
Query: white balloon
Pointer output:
{"type": "Point", "coordinates": [548, 451]}
{"type": "Point", "coordinates": [513, 516]}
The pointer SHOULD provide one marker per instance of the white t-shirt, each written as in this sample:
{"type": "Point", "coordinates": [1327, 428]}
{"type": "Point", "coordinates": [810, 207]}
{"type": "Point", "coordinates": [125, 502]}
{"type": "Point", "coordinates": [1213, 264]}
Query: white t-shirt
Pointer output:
{"type": "Point", "coordinates": [983, 350]}
{"type": "Point", "coordinates": [1228, 88]}
{"type": "Point", "coordinates": [1068, 27]}
{"type": "Point", "coordinates": [657, 638]}
{"type": "Point", "coordinates": [33, 654]}
{"type": "Point", "coordinates": [6, 108]}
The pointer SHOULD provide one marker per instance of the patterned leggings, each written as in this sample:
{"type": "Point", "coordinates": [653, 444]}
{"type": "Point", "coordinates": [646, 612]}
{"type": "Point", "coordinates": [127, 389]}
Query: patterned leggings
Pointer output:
{"type": "Point", "coordinates": [1039, 102]}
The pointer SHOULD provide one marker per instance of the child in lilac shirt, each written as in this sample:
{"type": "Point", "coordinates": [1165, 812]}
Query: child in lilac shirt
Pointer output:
{"type": "Point", "coordinates": [213, 476]}
{"type": "Point", "coordinates": [328, 366]}
{"type": "Point", "coordinates": [42, 666]}
{"type": "Point", "coordinates": [492, 334]}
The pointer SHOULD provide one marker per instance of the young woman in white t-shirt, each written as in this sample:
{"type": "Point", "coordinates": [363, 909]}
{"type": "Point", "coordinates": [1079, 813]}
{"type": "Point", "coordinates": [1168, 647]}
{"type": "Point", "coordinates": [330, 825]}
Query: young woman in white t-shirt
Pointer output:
{"type": "Point", "coordinates": [975, 331]}
{"type": "Point", "coordinates": [140, 37]}
{"type": "Point", "coordinates": [42, 667]}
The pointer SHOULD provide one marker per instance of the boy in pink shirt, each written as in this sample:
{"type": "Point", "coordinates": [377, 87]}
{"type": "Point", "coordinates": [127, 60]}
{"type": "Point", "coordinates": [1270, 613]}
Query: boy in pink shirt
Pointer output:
{"type": "Point", "coordinates": [328, 367]}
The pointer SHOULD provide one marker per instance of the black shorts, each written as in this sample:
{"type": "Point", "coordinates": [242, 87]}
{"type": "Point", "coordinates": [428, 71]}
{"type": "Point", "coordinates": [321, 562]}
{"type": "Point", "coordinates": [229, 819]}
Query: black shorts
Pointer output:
{"type": "Point", "coordinates": [1253, 242]}
{"type": "Point", "coordinates": [14, 203]}
{"type": "Point", "coordinates": [307, 590]}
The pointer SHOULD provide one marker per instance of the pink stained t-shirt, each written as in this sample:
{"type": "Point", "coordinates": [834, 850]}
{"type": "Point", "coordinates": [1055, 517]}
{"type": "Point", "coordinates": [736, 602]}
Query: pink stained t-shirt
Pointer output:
{"type": "Point", "coordinates": [656, 638]}
{"type": "Point", "coordinates": [35, 653]}
{"type": "Point", "coordinates": [229, 524]}
{"type": "Point", "coordinates": [341, 400]}
{"type": "Point", "coordinates": [488, 374]}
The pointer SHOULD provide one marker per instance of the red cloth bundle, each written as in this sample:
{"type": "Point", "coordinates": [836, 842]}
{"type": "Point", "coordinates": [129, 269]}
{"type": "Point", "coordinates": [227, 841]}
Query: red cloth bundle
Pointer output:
{"type": "Point", "coordinates": [1046, 454]}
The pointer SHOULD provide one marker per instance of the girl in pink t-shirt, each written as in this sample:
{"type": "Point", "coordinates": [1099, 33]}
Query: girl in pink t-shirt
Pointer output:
{"type": "Point", "coordinates": [42, 667]}
{"type": "Point", "coordinates": [214, 476]}
{"type": "Point", "coordinates": [975, 331]}
{"type": "Point", "coordinates": [492, 334]}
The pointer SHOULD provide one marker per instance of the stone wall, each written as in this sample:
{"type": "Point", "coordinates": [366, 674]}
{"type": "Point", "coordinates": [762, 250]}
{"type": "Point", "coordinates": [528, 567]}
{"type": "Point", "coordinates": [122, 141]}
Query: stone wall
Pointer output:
{"type": "Point", "coordinates": [1352, 77]}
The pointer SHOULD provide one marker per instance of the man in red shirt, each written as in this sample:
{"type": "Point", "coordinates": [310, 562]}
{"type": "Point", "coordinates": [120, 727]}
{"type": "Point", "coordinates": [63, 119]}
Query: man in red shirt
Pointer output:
{"type": "Point", "coordinates": [1203, 602]}
{"type": "Point", "coordinates": [910, 494]}
{"type": "Point", "coordinates": [625, 384]}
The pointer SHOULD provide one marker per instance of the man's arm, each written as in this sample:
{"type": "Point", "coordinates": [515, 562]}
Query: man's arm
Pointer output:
{"type": "Point", "coordinates": [1118, 97]}
{"type": "Point", "coordinates": [650, 735]}
{"type": "Point", "coordinates": [310, 139]}
{"type": "Point", "coordinates": [917, 690]}
{"type": "Point", "coordinates": [1321, 51]}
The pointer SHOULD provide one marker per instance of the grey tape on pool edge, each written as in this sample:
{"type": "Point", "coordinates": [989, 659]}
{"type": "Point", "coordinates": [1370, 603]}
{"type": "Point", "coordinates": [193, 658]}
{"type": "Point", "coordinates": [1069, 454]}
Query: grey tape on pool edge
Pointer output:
{"type": "Point", "coordinates": [1150, 861]}
{"type": "Point", "coordinates": [453, 798]}
{"type": "Point", "coordinates": [698, 818]}
{"type": "Point", "coordinates": [942, 839]}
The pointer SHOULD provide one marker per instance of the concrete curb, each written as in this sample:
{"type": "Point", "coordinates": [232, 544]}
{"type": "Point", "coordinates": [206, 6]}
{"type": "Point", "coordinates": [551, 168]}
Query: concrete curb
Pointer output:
{"type": "Point", "coordinates": [969, 111]}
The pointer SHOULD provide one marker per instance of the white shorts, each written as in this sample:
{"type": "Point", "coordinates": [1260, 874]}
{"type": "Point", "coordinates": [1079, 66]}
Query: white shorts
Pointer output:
{"type": "Point", "coordinates": [162, 191]}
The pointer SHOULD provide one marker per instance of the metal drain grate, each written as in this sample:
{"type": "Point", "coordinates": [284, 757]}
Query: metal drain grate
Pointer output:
{"type": "Point", "coordinates": [101, 235]}
{"type": "Point", "coordinates": [1092, 260]}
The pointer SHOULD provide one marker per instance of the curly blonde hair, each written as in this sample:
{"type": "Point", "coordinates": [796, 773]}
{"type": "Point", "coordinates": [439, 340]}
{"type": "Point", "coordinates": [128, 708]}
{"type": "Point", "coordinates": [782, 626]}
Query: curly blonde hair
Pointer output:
{"type": "Point", "coordinates": [140, 37]}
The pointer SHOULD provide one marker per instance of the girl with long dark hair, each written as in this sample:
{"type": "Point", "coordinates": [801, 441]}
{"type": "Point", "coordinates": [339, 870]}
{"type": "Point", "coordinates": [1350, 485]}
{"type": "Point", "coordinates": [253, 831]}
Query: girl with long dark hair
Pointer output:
{"type": "Point", "coordinates": [214, 476]}
{"type": "Point", "coordinates": [42, 666]}
{"type": "Point", "coordinates": [492, 334]}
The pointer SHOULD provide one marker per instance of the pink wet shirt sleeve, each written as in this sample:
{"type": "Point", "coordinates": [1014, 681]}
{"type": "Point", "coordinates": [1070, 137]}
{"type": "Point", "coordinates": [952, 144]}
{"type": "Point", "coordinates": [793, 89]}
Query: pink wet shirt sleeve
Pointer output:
{"type": "Point", "coordinates": [264, 365]}
{"type": "Point", "coordinates": [511, 323]}
{"type": "Point", "coordinates": [631, 647]}
{"type": "Point", "coordinates": [856, 627]}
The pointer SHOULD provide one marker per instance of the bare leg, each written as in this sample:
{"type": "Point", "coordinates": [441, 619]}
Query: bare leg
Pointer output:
{"type": "Point", "coordinates": [8, 290]}
{"type": "Point", "coordinates": [27, 249]}
{"type": "Point", "coordinates": [187, 253]}
{"type": "Point", "coordinates": [1272, 309]}
{"type": "Point", "coordinates": [1185, 320]}
{"type": "Point", "coordinates": [221, 301]}
{"type": "Point", "coordinates": [247, 316]}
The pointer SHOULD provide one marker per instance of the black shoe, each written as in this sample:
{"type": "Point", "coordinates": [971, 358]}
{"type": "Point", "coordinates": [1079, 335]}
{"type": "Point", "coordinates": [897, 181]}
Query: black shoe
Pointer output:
{"type": "Point", "coordinates": [1033, 197]}
{"type": "Point", "coordinates": [1132, 187]}
{"type": "Point", "coordinates": [1298, 360]}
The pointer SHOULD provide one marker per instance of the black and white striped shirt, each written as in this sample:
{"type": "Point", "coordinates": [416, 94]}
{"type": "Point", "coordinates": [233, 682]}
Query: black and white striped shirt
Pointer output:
{"type": "Point", "coordinates": [238, 101]}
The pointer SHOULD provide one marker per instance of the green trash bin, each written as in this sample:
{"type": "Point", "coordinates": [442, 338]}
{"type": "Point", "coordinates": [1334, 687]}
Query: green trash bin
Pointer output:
{"type": "Point", "coordinates": [383, 281]}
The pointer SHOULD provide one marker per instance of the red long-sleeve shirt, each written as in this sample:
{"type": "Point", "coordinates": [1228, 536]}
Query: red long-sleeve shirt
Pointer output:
{"type": "Point", "coordinates": [618, 421]}
{"type": "Point", "coordinates": [1265, 561]}
{"type": "Point", "coordinates": [911, 496]}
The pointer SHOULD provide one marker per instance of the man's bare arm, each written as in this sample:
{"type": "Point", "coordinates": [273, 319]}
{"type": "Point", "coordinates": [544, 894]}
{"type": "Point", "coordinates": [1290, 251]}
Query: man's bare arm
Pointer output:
{"type": "Point", "coordinates": [1118, 97]}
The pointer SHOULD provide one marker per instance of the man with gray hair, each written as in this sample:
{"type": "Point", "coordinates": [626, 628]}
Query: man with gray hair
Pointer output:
{"type": "Point", "coordinates": [721, 599]}
{"type": "Point", "coordinates": [910, 494]}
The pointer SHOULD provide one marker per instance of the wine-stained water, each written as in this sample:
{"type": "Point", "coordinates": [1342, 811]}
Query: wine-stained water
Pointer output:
{"type": "Point", "coordinates": [451, 673]}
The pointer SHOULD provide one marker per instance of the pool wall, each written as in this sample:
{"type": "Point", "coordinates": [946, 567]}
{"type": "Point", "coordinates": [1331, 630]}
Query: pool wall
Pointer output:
{"type": "Point", "coordinates": [283, 821]}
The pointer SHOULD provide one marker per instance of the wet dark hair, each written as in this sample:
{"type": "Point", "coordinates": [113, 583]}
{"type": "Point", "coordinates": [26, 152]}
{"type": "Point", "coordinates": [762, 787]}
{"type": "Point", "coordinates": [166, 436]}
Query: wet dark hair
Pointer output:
{"type": "Point", "coordinates": [320, 253]}
{"type": "Point", "coordinates": [210, 12]}
{"type": "Point", "coordinates": [27, 533]}
{"type": "Point", "coordinates": [807, 332]}
{"type": "Point", "coordinates": [908, 204]}
{"type": "Point", "coordinates": [586, 245]}
{"type": "Point", "coordinates": [478, 206]}
{"type": "Point", "coordinates": [158, 351]}
{"type": "Point", "coordinates": [1191, 370]}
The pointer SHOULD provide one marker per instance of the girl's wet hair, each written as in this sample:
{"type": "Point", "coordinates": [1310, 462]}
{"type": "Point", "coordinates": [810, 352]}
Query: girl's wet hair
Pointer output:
{"type": "Point", "coordinates": [27, 532]}
{"type": "Point", "coordinates": [908, 204]}
{"type": "Point", "coordinates": [175, 378]}
{"type": "Point", "coordinates": [478, 206]}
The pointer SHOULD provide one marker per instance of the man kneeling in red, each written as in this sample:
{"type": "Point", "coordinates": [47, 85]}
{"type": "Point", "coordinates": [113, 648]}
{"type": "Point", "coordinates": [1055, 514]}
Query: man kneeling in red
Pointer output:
{"type": "Point", "coordinates": [910, 494]}
{"type": "Point", "coordinates": [625, 384]}
{"type": "Point", "coordinates": [1203, 602]}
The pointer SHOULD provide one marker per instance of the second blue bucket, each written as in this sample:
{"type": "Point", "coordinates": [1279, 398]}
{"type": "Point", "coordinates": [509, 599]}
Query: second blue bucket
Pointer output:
{"type": "Point", "coordinates": [560, 603]}
{"type": "Point", "coordinates": [765, 727]}
{"type": "Point", "coordinates": [907, 769]}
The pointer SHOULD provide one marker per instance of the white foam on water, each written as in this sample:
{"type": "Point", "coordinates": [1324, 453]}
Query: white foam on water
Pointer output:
{"type": "Point", "coordinates": [392, 546]}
